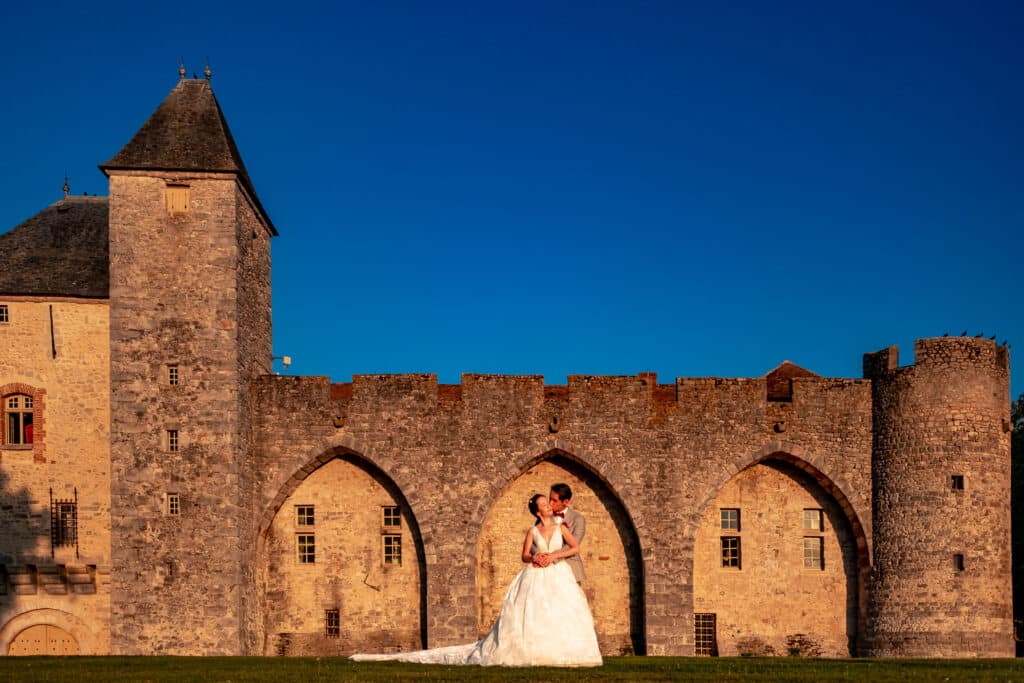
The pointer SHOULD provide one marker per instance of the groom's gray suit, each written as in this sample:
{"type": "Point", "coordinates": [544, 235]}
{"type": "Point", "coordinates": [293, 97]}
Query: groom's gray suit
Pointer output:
{"type": "Point", "coordinates": [577, 524]}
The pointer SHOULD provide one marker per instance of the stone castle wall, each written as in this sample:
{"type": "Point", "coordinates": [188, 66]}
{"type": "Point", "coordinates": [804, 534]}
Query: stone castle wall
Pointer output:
{"type": "Point", "coordinates": [945, 415]}
{"type": "Point", "coordinates": [662, 451]}
{"type": "Point", "coordinates": [64, 366]}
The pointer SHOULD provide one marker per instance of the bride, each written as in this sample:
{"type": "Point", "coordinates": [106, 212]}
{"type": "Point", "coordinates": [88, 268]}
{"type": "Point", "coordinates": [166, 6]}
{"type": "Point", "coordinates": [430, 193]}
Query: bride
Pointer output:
{"type": "Point", "coordinates": [544, 618]}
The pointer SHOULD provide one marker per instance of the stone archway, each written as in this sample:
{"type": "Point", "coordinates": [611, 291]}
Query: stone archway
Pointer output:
{"type": "Point", "coordinates": [611, 551]}
{"type": "Point", "coordinates": [46, 631]}
{"type": "Point", "coordinates": [344, 565]}
{"type": "Point", "coordinates": [776, 555]}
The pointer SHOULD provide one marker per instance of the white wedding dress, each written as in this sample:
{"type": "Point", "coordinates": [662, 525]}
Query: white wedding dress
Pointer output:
{"type": "Point", "coordinates": [544, 621]}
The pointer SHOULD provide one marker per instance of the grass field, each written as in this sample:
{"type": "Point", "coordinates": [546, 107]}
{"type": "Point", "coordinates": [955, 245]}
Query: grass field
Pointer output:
{"type": "Point", "coordinates": [310, 670]}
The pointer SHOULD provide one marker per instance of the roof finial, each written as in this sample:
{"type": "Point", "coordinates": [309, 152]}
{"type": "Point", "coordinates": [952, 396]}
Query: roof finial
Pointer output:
{"type": "Point", "coordinates": [206, 71]}
{"type": "Point", "coordinates": [67, 188]}
{"type": "Point", "coordinates": [181, 68]}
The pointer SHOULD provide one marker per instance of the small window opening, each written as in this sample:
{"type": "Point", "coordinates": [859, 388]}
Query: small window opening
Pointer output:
{"type": "Point", "coordinates": [814, 553]}
{"type": "Point", "coordinates": [957, 482]}
{"type": "Point", "coordinates": [306, 547]}
{"type": "Point", "coordinates": [812, 520]}
{"type": "Point", "coordinates": [958, 562]}
{"type": "Point", "coordinates": [177, 198]}
{"type": "Point", "coordinates": [4, 314]}
{"type": "Point", "coordinates": [19, 412]}
{"type": "Point", "coordinates": [332, 622]}
{"type": "Point", "coordinates": [705, 635]}
{"type": "Point", "coordinates": [172, 440]}
{"type": "Point", "coordinates": [305, 515]}
{"type": "Point", "coordinates": [730, 519]}
{"type": "Point", "coordinates": [731, 552]}
{"type": "Point", "coordinates": [173, 504]}
{"type": "Point", "coordinates": [392, 518]}
{"type": "Point", "coordinates": [392, 549]}
{"type": "Point", "coordinates": [172, 375]}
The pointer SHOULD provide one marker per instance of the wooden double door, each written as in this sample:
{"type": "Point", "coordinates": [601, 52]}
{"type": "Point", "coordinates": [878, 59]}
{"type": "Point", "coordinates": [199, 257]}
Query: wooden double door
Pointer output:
{"type": "Point", "coordinates": [43, 639]}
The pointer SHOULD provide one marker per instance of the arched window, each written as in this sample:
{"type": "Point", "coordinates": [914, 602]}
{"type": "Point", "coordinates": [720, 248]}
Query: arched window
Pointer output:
{"type": "Point", "coordinates": [18, 414]}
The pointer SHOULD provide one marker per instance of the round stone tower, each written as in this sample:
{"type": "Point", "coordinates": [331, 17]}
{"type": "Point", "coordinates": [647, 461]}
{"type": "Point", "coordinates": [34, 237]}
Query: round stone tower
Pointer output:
{"type": "Point", "coordinates": [941, 580]}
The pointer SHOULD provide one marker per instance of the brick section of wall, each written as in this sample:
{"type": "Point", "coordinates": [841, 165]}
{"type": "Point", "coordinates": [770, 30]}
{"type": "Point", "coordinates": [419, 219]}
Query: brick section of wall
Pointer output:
{"type": "Point", "coordinates": [663, 459]}
{"type": "Point", "coordinates": [178, 584]}
{"type": "Point", "coordinates": [945, 415]}
{"type": "Point", "coordinates": [70, 451]}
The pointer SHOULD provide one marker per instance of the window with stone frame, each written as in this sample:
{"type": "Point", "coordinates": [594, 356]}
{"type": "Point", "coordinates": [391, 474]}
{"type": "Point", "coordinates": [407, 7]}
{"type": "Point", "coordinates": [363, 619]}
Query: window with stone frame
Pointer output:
{"type": "Point", "coordinates": [392, 548]}
{"type": "Point", "coordinates": [19, 415]}
{"type": "Point", "coordinates": [332, 623]}
{"type": "Point", "coordinates": [173, 375]}
{"type": "Point", "coordinates": [812, 519]}
{"type": "Point", "coordinates": [814, 552]}
{"type": "Point", "coordinates": [730, 518]}
{"type": "Point", "coordinates": [172, 440]}
{"type": "Point", "coordinates": [305, 515]}
{"type": "Point", "coordinates": [173, 504]}
{"type": "Point", "coordinates": [177, 198]}
{"type": "Point", "coordinates": [391, 517]}
{"type": "Point", "coordinates": [305, 545]}
{"type": "Point", "coordinates": [5, 316]}
{"type": "Point", "coordinates": [730, 552]}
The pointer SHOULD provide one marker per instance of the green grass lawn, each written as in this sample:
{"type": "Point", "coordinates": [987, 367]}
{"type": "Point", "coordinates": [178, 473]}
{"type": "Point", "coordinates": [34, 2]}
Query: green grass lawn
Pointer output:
{"type": "Point", "coordinates": [315, 670]}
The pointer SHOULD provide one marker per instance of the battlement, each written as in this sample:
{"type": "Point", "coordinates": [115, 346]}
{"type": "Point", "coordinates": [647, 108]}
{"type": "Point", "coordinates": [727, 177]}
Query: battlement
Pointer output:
{"type": "Point", "coordinates": [950, 352]}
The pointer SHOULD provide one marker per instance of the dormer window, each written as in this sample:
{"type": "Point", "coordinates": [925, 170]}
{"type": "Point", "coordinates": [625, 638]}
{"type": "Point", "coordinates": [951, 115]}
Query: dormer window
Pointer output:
{"type": "Point", "coordinates": [177, 198]}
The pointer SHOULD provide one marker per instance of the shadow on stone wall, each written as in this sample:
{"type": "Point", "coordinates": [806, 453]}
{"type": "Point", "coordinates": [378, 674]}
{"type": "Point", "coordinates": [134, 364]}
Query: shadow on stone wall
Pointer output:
{"type": "Point", "coordinates": [19, 531]}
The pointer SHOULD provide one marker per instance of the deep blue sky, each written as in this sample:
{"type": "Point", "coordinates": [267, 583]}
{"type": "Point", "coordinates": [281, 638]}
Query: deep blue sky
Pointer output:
{"type": "Point", "coordinates": [563, 188]}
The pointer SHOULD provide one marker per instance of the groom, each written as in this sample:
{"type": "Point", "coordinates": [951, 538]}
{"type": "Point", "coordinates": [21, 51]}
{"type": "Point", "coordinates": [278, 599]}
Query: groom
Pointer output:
{"type": "Point", "coordinates": [559, 497]}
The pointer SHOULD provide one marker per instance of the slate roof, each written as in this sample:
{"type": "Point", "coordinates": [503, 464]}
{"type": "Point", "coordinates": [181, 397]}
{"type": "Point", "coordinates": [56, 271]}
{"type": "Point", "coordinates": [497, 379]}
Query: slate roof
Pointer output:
{"type": "Point", "coordinates": [187, 132]}
{"type": "Point", "coordinates": [61, 251]}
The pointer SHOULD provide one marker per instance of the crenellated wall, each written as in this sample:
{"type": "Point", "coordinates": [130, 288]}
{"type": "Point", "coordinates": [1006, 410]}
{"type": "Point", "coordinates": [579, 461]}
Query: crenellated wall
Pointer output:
{"type": "Point", "coordinates": [662, 451]}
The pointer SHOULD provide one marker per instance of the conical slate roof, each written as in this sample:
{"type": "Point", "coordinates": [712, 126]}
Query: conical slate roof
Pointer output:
{"type": "Point", "coordinates": [187, 132]}
{"type": "Point", "coordinates": [61, 251]}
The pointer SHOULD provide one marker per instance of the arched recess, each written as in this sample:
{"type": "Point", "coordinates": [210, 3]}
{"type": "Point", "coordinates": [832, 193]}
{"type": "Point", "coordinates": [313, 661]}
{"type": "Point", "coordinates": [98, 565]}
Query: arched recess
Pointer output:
{"type": "Point", "coordinates": [778, 589]}
{"type": "Point", "coordinates": [367, 562]}
{"type": "Point", "coordinates": [611, 549]}
{"type": "Point", "coordinates": [64, 621]}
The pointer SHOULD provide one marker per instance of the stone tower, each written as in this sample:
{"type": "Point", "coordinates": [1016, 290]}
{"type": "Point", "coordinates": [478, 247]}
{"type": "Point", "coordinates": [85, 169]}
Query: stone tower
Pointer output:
{"type": "Point", "coordinates": [941, 485]}
{"type": "Point", "coordinates": [189, 329]}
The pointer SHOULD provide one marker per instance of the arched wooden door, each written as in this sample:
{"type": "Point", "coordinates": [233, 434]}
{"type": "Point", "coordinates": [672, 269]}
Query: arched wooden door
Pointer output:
{"type": "Point", "coordinates": [43, 639]}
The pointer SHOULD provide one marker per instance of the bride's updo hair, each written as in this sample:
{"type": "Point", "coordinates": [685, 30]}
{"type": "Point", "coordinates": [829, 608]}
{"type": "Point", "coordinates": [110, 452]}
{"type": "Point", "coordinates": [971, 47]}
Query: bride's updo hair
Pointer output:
{"type": "Point", "coordinates": [533, 503]}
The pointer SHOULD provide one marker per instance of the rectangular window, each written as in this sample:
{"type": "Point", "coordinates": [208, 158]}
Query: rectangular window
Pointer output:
{"type": "Point", "coordinates": [705, 636]}
{"type": "Point", "coordinates": [392, 517]}
{"type": "Point", "coordinates": [19, 429]}
{"type": "Point", "coordinates": [812, 520]}
{"type": "Point", "coordinates": [813, 553]}
{"type": "Point", "coordinates": [173, 504]}
{"type": "Point", "coordinates": [392, 549]}
{"type": "Point", "coordinates": [304, 515]}
{"type": "Point", "coordinates": [731, 552]}
{"type": "Point", "coordinates": [177, 198]}
{"type": "Point", "coordinates": [172, 375]}
{"type": "Point", "coordinates": [306, 547]}
{"type": "Point", "coordinates": [958, 562]}
{"type": "Point", "coordinates": [730, 519]}
{"type": "Point", "coordinates": [65, 521]}
{"type": "Point", "coordinates": [172, 440]}
{"type": "Point", "coordinates": [957, 482]}
{"type": "Point", "coordinates": [332, 623]}
{"type": "Point", "coordinates": [4, 314]}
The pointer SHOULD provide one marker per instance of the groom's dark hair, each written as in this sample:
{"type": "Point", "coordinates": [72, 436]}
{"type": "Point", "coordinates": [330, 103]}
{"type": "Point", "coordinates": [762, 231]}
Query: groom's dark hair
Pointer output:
{"type": "Point", "coordinates": [563, 491]}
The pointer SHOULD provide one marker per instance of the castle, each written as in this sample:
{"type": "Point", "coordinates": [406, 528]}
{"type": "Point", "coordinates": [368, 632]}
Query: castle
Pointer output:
{"type": "Point", "coordinates": [163, 492]}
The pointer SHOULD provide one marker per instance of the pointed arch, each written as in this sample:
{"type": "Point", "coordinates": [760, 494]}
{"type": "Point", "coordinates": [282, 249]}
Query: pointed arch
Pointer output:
{"type": "Point", "coordinates": [614, 561]}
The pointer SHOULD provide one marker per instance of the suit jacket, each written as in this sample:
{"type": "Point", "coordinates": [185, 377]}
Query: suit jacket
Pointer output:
{"type": "Point", "coordinates": [577, 524]}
